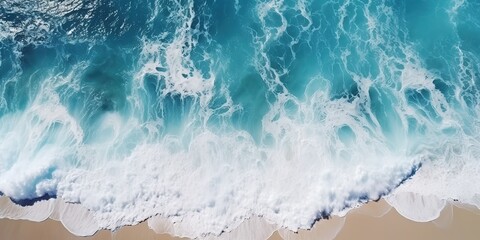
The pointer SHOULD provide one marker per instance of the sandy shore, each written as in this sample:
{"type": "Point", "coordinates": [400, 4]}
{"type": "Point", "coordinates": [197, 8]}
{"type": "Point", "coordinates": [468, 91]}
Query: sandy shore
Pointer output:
{"type": "Point", "coordinates": [376, 220]}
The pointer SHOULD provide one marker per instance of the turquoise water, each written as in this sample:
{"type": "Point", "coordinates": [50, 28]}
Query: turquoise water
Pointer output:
{"type": "Point", "coordinates": [343, 100]}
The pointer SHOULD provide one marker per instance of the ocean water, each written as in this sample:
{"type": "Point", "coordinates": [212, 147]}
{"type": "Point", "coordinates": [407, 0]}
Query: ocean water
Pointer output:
{"type": "Point", "coordinates": [210, 112]}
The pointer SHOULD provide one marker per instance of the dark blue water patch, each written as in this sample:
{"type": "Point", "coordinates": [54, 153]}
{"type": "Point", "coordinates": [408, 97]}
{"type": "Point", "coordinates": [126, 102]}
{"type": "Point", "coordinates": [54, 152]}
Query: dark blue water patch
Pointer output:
{"type": "Point", "coordinates": [360, 197]}
{"type": "Point", "coordinates": [35, 57]}
{"type": "Point", "coordinates": [31, 201]}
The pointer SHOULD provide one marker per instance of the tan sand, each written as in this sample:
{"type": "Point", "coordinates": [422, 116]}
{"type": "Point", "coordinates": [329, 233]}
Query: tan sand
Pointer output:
{"type": "Point", "coordinates": [50, 230]}
{"type": "Point", "coordinates": [378, 220]}
{"type": "Point", "coordinates": [454, 223]}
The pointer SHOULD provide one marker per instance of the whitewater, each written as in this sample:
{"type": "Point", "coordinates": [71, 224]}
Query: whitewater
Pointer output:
{"type": "Point", "coordinates": [208, 113]}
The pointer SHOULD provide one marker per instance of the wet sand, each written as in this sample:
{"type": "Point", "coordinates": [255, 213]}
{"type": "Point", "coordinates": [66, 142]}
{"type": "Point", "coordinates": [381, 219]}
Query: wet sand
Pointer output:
{"type": "Point", "coordinates": [372, 221]}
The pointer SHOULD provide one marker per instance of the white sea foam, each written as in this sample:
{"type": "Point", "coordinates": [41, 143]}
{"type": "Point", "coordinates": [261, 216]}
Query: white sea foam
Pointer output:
{"type": "Point", "coordinates": [203, 185]}
{"type": "Point", "coordinates": [171, 61]}
{"type": "Point", "coordinates": [417, 207]}
{"type": "Point", "coordinates": [30, 168]}
{"type": "Point", "coordinates": [215, 188]}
